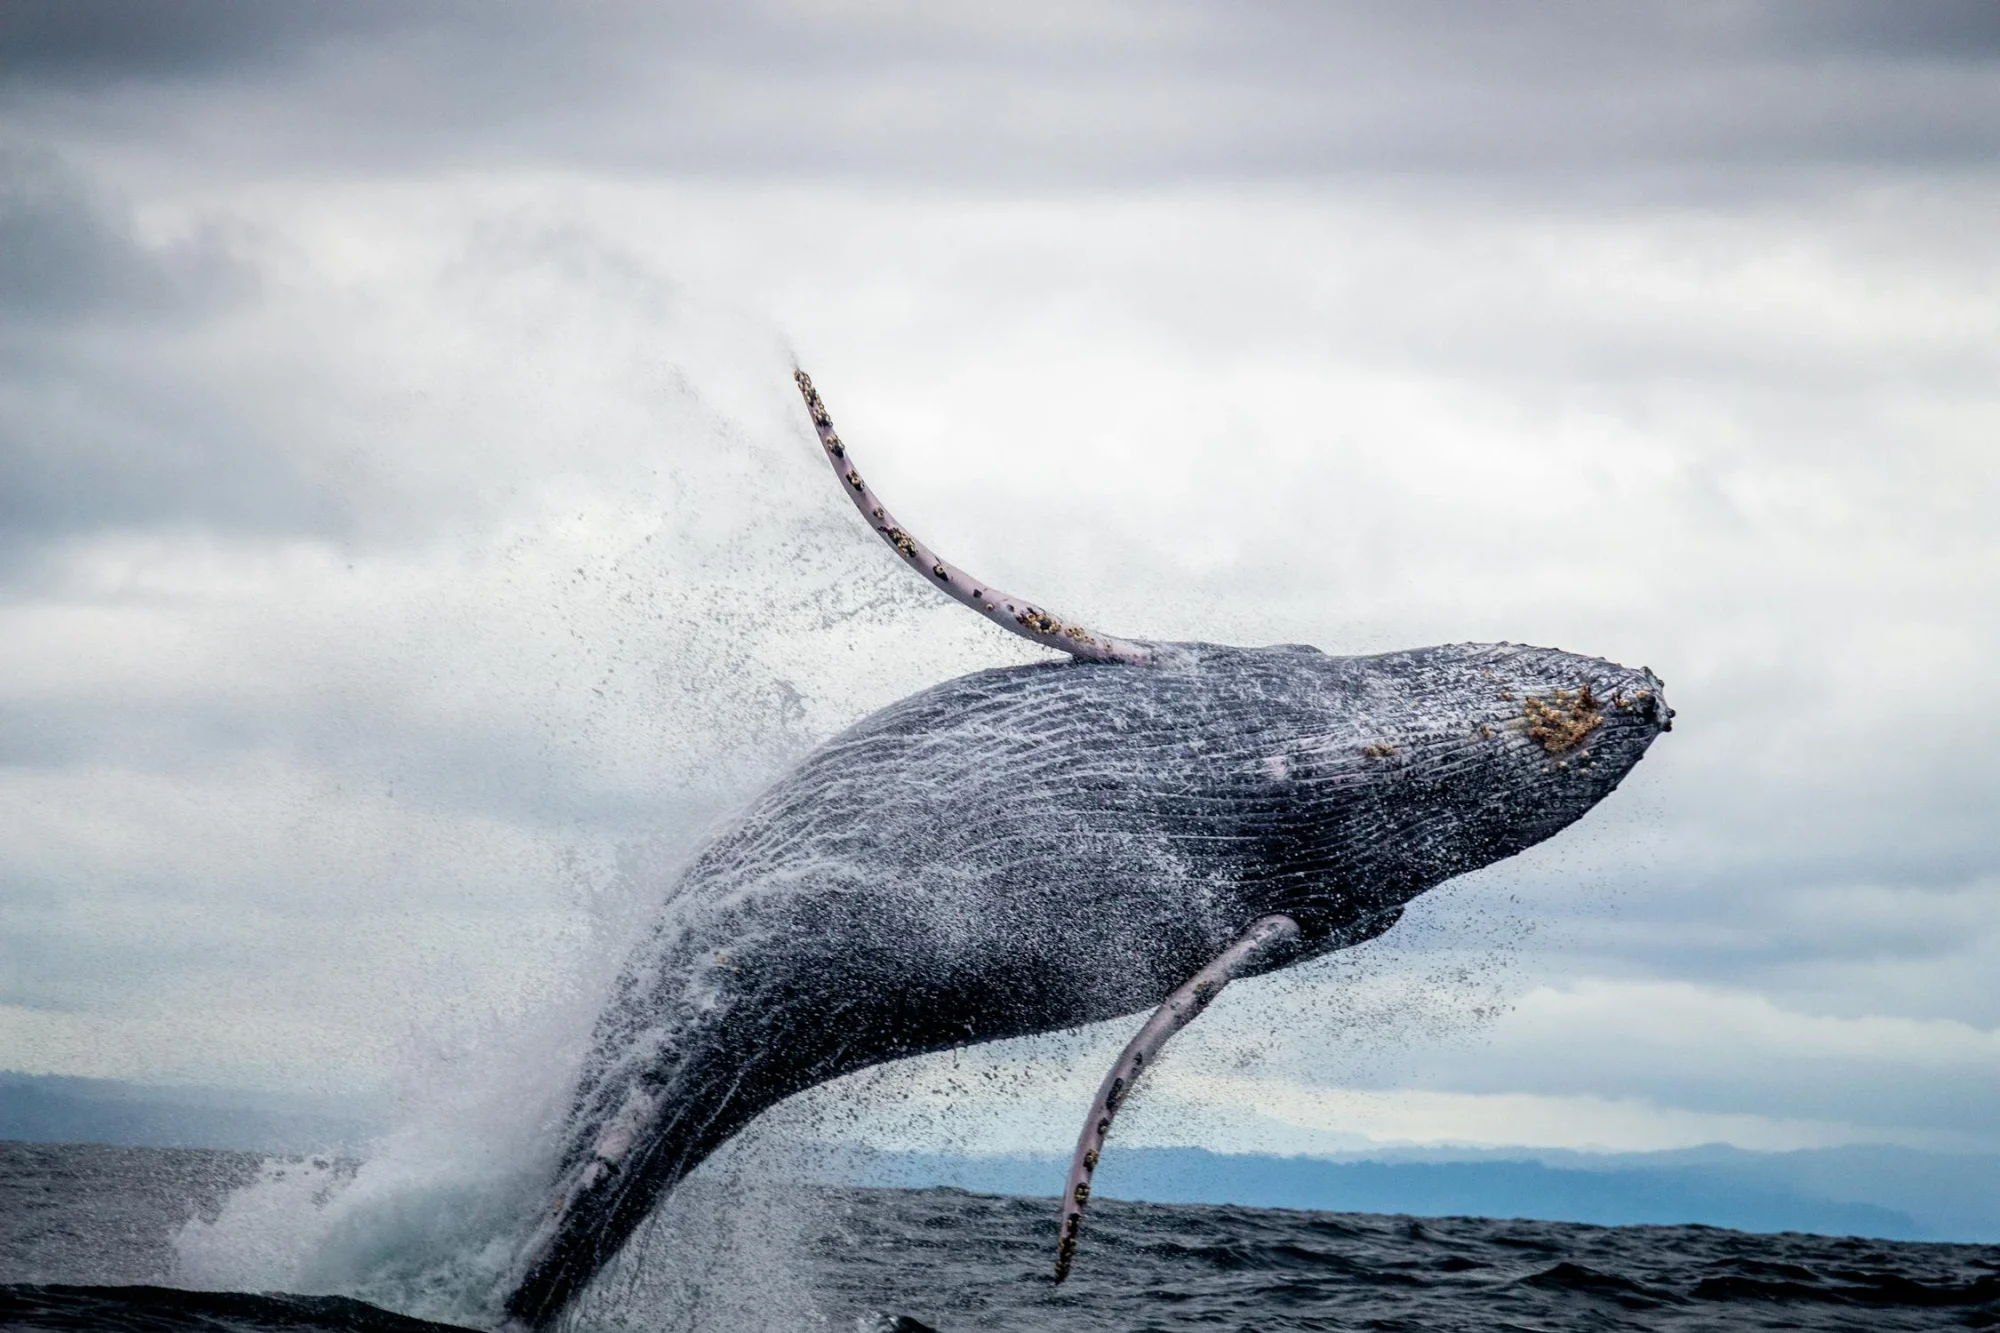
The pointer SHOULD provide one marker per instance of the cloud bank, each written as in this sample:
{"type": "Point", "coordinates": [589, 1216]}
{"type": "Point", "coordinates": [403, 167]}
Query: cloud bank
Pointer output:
{"type": "Point", "coordinates": [408, 540]}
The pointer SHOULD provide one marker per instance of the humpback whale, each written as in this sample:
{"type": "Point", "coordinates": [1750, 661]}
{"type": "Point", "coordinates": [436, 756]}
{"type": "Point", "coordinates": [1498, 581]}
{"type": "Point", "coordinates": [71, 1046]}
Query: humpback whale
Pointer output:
{"type": "Point", "coordinates": [1032, 848]}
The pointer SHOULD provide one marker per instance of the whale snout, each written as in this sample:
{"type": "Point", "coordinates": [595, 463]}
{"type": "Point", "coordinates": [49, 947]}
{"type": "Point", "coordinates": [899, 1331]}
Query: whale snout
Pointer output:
{"type": "Point", "coordinates": [1639, 695]}
{"type": "Point", "coordinates": [1571, 728]}
{"type": "Point", "coordinates": [1655, 708]}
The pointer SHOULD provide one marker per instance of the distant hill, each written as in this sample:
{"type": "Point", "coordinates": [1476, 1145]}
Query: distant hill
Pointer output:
{"type": "Point", "coordinates": [1889, 1193]}
{"type": "Point", "coordinates": [44, 1109]}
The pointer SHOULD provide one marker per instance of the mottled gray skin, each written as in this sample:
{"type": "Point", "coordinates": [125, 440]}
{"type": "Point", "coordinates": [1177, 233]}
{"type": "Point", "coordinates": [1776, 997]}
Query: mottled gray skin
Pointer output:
{"type": "Point", "coordinates": [1029, 849]}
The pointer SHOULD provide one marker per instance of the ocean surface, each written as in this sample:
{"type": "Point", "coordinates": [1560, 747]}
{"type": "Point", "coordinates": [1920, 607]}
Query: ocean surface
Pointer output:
{"type": "Point", "coordinates": [91, 1238]}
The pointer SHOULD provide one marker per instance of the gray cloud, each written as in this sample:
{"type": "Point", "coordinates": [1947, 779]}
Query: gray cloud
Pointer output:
{"type": "Point", "coordinates": [102, 443]}
{"type": "Point", "coordinates": [88, 44]}
{"type": "Point", "coordinates": [1687, 98]}
{"type": "Point", "coordinates": [94, 430]}
{"type": "Point", "coordinates": [67, 254]}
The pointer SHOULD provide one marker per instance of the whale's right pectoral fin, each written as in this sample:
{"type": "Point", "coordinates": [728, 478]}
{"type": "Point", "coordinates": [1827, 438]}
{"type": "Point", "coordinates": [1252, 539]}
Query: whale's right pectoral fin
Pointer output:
{"type": "Point", "coordinates": [1268, 936]}
{"type": "Point", "coordinates": [1004, 609]}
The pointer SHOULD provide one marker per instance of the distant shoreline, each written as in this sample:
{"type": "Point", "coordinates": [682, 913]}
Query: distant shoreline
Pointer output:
{"type": "Point", "coordinates": [1882, 1192]}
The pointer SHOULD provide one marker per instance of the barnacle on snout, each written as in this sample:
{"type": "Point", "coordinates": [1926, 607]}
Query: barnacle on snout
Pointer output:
{"type": "Point", "coordinates": [1563, 720]}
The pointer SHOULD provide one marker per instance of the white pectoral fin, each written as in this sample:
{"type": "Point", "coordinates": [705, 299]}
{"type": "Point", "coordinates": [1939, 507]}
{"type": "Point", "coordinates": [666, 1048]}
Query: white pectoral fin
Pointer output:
{"type": "Point", "coordinates": [1255, 945]}
{"type": "Point", "coordinates": [1014, 614]}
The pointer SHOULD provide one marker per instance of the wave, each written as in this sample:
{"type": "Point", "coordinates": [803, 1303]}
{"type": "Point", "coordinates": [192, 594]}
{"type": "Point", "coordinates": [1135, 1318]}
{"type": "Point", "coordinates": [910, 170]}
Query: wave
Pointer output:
{"type": "Point", "coordinates": [747, 1252]}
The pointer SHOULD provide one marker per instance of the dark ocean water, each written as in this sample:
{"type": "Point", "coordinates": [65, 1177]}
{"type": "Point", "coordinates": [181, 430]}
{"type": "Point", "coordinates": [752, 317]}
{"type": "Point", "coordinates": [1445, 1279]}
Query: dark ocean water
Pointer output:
{"type": "Point", "coordinates": [86, 1242]}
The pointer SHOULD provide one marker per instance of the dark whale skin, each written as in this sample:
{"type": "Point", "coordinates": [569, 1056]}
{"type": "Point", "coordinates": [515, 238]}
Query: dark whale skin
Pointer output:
{"type": "Point", "coordinates": [1032, 848]}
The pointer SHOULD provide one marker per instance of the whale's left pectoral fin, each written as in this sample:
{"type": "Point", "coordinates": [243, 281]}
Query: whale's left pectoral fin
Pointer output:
{"type": "Point", "coordinates": [1267, 936]}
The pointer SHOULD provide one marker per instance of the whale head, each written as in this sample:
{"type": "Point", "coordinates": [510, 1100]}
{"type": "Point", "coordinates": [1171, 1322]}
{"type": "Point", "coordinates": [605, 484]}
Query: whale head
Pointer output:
{"type": "Point", "coordinates": [1387, 775]}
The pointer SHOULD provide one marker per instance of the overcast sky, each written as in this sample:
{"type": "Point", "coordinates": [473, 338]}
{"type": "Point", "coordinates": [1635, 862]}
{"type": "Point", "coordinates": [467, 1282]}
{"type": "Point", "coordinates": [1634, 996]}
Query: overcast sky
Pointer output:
{"type": "Point", "coordinates": [410, 538]}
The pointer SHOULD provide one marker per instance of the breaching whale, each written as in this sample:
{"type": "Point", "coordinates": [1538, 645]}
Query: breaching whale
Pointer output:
{"type": "Point", "coordinates": [1033, 848]}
